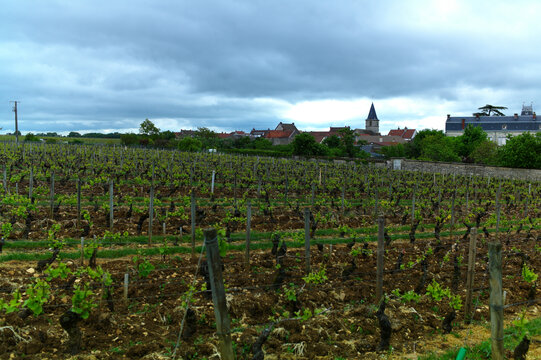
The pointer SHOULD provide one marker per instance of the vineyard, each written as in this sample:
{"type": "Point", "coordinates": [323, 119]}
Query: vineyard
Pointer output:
{"type": "Point", "coordinates": [102, 257]}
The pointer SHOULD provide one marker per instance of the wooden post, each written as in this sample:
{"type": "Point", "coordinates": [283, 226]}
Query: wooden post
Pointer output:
{"type": "Point", "coordinates": [470, 276]}
{"type": "Point", "coordinates": [286, 188]}
{"type": "Point", "coordinates": [180, 234]}
{"type": "Point", "coordinates": [52, 195]}
{"type": "Point", "coordinates": [235, 189]}
{"type": "Point", "coordinates": [453, 214]}
{"type": "Point", "coordinates": [218, 295]}
{"type": "Point", "coordinates": [31, 183]}
{"type": "Point", "coordinates": [313, 194]}
{"type": "Point", "coordinates": [5, 180]}
{"type": "Point", "coordinates": [343, 197]}
{"type": "Point", "coordinates": [248, 225]}
{"type": "Point", "coordinates": [496, 299]}
{"type": "Point", "coordinates": [307, 239]}
{"type": "Point", "coordinates": [526, 203]}
{"type": "Point", "coordinates": [78, 203]}
{"type": "Point", "coordinates": [150, 214]}
{"type": "Point", "coordinates": [192, 213]}
{"type": "Point", "coordinates": [126, 284]}
{"type": "Point", "coordinates": [498, 194]}
{"type": "Point", "coordinates": [468, 196]}
{"type": "Point", "coordinates": [376, 201]}
{"type": "Point", "coordinates": [82, 251]}
{"type": "Point", "coordinates": [380, 264]}
{"type": "Point", "coordinates": [413, 205]}
{"type": "Point", "coordinates": [111, 219]}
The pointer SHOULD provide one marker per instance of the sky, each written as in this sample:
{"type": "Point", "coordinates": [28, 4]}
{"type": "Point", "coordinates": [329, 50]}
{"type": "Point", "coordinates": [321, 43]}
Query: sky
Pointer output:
{"type": "Point", "coordinates": [104, 66]}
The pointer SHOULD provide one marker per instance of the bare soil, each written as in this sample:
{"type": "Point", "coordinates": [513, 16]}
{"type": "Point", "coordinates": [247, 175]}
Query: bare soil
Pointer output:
{"type": "Point", "coordinates": [147, 326]}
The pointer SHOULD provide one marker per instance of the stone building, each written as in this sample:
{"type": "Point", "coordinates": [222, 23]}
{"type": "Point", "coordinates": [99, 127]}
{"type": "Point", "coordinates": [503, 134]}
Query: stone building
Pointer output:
{"type": "Point", "coordinates": [496, 127]}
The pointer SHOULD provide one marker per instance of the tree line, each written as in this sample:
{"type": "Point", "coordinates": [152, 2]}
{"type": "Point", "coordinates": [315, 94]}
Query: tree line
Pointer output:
{"type": "Point", "coordinates": [304, 144]}
{"type": "Point", "coordinates": [473, 146]}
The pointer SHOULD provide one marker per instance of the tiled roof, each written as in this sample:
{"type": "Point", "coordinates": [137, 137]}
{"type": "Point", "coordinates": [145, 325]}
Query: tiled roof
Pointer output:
{"type": "Point", "coordinates": [409, 134]}
{"type": "Point", "coordinates": [403, 133]}
{"type": "Point", "coordinates": [337, 129]}
{"type": "Point", "coordinates": [275, 134]}
{"type": "Point", "coordinates": [287, 127]}
{"type": "Point", "coordinates": [495, 123]}
{"type": "Point", "coordinates": [320, 135]}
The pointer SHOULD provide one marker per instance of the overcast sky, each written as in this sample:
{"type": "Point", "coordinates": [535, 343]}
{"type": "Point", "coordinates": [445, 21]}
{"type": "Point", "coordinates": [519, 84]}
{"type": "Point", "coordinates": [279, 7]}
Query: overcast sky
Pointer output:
{"type": "Point", "coordinates": [233, 65]}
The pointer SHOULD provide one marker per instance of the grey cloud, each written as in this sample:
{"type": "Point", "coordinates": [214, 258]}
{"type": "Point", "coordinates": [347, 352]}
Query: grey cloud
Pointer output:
{"type": "Point", "coordinates": [108, 62]}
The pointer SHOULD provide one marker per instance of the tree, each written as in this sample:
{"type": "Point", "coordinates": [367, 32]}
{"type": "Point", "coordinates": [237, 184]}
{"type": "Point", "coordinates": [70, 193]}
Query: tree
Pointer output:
{"type": "Point", "coordinates": [305, 144]}
{"type": "Point", "coordinates": [208, 138]}
{"type": "Point", "coordinates": [472, 137]}
{"type": "Point", "coordinates": [485, 153]}
{"type": "Point", "coordinates": [521, 151]}
{"type": "Point", "coordinates": [487, 110]}
{"type": "Point", "coordinates": [438, 147]}
{"type": "Point", "coordinates": [348, 142]}
{"type": "Point", "coordinates": [129, 139]}
{"type": "Point", "coordinates": [147, 127]}
{"type": "Point", "coordinates": [397, 150]}
{"type": "Point", "coordinates": [413, 149]}
{"type": "Point", "coordinates": [243, 142]}
{"type": "Point", "coordinates": [189, 144]}
{"type": "Point", "coordinates": [261, 143]}
{"type": "Point", "coordinates": [74, 134]}
{"type": "Point", "coordinates": [332, 141]}
{"type": "Point", "coordinates": [167, 135]}
{"type": "Point", "coordinates": [30, 137]}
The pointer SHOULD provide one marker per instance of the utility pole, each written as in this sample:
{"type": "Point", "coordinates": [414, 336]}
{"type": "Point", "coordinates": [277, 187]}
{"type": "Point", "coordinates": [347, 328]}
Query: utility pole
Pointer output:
{"type": "Point", "coordinates": [16, 122]}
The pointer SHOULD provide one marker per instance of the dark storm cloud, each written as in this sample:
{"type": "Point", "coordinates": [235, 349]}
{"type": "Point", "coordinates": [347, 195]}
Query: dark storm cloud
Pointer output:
{"type": "Point", "coordinates": [82, 65]}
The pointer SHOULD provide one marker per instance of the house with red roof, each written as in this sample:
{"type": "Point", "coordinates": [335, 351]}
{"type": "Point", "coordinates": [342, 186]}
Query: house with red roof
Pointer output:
{"type": "Point", "coordinates": [283, 134]}
{"type": "Point", "coordinates": [322, 135]}
{"type": "Point", "coordinates": [232, 135]}
{"type": "Point", "coordinates": [258, 133]}
{"type": "Point", "coordinates": [405, 133]}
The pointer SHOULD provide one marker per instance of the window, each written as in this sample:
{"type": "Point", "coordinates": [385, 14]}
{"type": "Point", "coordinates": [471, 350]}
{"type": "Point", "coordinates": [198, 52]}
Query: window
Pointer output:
{"type": "Point", "coordinates": [504, 127]}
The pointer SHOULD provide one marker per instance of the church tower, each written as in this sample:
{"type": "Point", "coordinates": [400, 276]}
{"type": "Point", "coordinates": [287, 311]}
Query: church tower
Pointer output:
{"type": "Point", "coordinates": [372, 121]}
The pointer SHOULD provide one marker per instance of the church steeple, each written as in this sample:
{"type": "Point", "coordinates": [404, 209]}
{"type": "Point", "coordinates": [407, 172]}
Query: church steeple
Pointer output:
{"type": "Point", "coordinates": [372, 121]}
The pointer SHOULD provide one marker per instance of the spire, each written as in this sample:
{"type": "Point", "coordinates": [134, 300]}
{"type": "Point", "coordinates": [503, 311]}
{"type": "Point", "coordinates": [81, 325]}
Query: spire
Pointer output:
{"type": "Point", "coordinates": [372, 114]}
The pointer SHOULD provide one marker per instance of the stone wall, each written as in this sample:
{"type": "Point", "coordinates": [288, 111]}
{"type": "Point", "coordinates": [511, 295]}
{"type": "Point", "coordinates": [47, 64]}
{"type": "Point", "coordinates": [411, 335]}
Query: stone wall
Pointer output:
{"type": "Point", "coordinates": [464, 169]}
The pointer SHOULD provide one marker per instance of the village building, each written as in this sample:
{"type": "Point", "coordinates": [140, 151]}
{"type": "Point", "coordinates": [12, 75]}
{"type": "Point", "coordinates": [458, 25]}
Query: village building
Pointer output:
{"type": "Point", "coordinates": [283, 134]}
{"type": "Point", "coordinates": [496, 127]}
{"type": "Point", "coordinates": [405, 133]}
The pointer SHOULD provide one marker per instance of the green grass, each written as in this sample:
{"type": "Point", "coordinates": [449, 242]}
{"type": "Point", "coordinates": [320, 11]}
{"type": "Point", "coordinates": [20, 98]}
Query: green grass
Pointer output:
{"type": "Point", "coordinates": [66, 139]}
{"type": "Point", "coordinates": [483, 351]}
{"type": "Point", "coordinates": [258, 239]}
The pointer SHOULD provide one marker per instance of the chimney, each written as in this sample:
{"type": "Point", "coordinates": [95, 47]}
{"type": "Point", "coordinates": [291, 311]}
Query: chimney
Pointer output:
{"type": "Point", "coordinates": [477, 116]}
{"type": "Point", "coordinates": [534, 116]}
{"type": "Point", "coordinates": [448, 116]}
{"type": "Point", "coordinates": [515, 116]}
